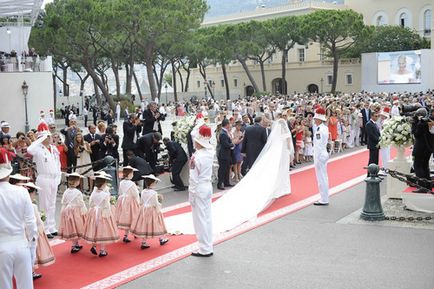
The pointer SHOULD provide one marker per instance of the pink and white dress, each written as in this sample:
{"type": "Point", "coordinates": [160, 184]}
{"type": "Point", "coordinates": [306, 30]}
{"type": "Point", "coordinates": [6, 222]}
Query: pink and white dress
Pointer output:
{"type": "Point", "coordinates": [72, 215]}
{"type": "Point", "coordinates": [127, 207]}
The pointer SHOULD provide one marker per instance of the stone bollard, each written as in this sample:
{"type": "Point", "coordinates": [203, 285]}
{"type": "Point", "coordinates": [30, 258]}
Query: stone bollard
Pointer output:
{"type": "Point", "coordinates": [372, 210]}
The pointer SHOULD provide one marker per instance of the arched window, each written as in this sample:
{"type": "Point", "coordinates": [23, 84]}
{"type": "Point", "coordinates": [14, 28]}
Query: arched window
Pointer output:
{"type": "Point", "coordinates": [403, 19]}
{"type": "Point", "coordinates": [380, 20]}
{"type": "Point", "coordinates": [427, 22]}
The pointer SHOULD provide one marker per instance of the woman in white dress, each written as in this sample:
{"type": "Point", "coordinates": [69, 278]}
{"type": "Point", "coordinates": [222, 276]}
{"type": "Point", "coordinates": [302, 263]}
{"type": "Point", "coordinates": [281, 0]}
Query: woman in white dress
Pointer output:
{"type": "Point", "coordinates": [266, 181]}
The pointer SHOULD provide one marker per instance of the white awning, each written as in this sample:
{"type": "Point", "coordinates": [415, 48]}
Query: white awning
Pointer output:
{"type": "Point", "coordinates": [27, 9]}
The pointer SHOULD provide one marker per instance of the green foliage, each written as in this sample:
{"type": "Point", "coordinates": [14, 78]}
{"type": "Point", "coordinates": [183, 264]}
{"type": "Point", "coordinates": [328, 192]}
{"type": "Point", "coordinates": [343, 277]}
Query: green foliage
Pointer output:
{"type": "Point", "coordinates": [388, 39]}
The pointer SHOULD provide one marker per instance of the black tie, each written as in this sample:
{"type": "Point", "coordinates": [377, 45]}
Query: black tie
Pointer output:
{"type": "Point", "coordinates": [93, 137]}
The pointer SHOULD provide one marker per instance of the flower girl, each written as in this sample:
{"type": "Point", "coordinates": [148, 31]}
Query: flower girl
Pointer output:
{"type": "Point", "coordinates": [149, 222]}
{"type": "Point", "coordinates": [127, 207]}
{"type": "Point", "coordinates": [73, 213]}
{"type": "Point", "coordinates": [100, 227]}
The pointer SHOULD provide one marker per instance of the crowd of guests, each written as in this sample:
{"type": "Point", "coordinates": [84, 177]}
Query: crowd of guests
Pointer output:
{"type": "Point", "coordinates": [29, 59]}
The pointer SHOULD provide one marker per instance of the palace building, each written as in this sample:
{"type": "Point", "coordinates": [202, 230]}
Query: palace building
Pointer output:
{"type": "Point", "coordinates": [308, 69]}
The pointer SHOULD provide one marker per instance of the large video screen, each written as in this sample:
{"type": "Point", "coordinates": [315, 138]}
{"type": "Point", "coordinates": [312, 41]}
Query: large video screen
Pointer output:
{"type": "Point", "coordinates": [402, 67]}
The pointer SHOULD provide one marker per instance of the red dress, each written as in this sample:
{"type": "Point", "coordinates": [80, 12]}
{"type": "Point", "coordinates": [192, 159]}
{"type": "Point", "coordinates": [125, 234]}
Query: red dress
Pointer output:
{"type": "Point", "coordinates": [63, 157]}
{"type": "Point", "coordinates": [333, 127]}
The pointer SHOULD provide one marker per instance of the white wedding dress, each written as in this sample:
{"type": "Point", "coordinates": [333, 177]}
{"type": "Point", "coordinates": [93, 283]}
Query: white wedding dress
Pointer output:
{"type": "Point", "coordinates": [267, 180]}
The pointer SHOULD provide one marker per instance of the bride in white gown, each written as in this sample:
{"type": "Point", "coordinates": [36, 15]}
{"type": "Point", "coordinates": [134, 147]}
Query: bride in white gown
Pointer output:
{"type": "Point", "coordinates": [267, 180]}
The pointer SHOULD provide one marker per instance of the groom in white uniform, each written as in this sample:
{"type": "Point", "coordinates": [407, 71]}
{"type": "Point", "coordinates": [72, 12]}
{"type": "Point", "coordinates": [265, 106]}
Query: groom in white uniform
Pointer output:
{"type": "Point", "coordinates": [321, 156]}
{"type": "Point", "coordinates": [200, 191]}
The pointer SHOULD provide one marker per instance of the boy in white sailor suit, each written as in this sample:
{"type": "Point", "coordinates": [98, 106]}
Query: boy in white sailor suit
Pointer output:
{"type": "Point", "coordinates": [17, 231]}
{"type": "Point", "coordinates": [320, 155]}
{"type": "Point", "coordinates": [46, 157]}
{"type": "Point", "coordinates": [200, 191]}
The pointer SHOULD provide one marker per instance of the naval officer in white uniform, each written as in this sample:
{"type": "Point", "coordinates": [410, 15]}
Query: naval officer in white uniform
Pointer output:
{"type": "Point", "coordinates": [200, 191]}
{"type": "Point", "coordinates": [17, 231]}
{"type": "Point", "coordinates": [320, 155]}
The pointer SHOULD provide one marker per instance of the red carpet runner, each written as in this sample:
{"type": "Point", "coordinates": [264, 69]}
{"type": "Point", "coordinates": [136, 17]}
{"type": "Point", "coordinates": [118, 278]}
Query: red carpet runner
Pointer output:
{"type": "Point", "coordinates": [82, 269]}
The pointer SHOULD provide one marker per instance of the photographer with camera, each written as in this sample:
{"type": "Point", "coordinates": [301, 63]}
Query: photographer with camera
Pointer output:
{"type": "Point", "coordinates": [178, 158]}
{"type": "Point", "coordinates": [130, 127]}
{"type": "Point", "coordinates": [423, 147]}
{"type": "Point", "coordinates": [148, 147]}
{"type": "Point", "coordinates": [110, 143]}
{"type": "Point", "coordinates": [151, 118]}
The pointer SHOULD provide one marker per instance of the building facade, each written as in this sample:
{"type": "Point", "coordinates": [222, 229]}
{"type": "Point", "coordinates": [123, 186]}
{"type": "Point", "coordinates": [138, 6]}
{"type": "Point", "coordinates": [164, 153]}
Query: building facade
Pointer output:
{"type": "Point", "coordinates": [308, 70]}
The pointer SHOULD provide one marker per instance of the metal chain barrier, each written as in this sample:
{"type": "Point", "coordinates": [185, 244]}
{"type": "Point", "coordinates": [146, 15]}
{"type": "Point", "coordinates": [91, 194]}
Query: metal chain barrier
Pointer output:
{"type": "Point", "coordinates": [412, 181]}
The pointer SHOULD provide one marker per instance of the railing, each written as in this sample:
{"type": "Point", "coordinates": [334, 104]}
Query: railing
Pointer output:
{"type": "Point", "coordinates": [25, 64]}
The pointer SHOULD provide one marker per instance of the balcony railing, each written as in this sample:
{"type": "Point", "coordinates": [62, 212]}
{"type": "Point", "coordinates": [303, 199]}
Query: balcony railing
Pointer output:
{"type": "Point", "coordinates": [25, 64]}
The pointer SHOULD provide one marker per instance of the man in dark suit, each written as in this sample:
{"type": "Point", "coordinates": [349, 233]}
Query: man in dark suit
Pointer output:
{"type": "Point", "coordinates": [94, 140]}
{"type": "Point", "coordinates": [373, 137]}
{"type": "Point", "coordinates": [366, 115]}
{"type": "Point", "coordinates": [148, 147]}
{"type": "Point", "coordinates": [130, 127]}
{"type": "Point", "coordinates": [255, 138]}
{"type": "Point", "coordinates": [70, 132]}
{"type": "Point", "coordinates": [142, 166]}
{"type": "Point", "coordinates": [110, 143]}
{"type": "Point", "coordinates": [423, 147]}
{"type": "Point", "coordinates": [224, 156]}
{"type": "Point", "coordinates": [178, 158]}
{"type": "Point", "coordinates": [151, 119]}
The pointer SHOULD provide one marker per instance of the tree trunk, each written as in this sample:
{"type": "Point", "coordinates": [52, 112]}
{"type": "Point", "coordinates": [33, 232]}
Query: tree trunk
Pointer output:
{"type": "Point", "coordinates": [249, 74]}
{"type": "Point", "coordinates": [264, 83]}
{"type": "Point", "coordinates": [175, 93]}
{"type": "Point", "coordinates": [202, 70]}
{"type": "Point", "coordinates": [115, 69]}
{"type": "Point", "coordinates": [130, 74]}
{"type": "Point", "coordinates": [137, 85]}
{"type": "Point", "coordinates": [98, 82]}
{"type": "Point", "coordinates": [284, 86]}
{"type": "Point", "coordinates": [149, 72]}
{"type": "Point", "coordinates": [65, 81]}
{"type": "Point", "coordinates": [335, 68]}
{"type": "Point", "coordinates": [96, 90]}
{"type": "Point", "coordinates": [187, 78]}
{"type": "Point", "coordinates": [82, 82]}
{"type": "Point", "coordinates": [225, 77]}
{"type": "Point", "coordinates": [181, 79]}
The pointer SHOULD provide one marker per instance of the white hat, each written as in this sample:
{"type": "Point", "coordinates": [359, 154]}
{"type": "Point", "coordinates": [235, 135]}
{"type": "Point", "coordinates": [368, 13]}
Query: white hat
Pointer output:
{"type": "Point", "coordinates": [203, 136]}
{"type": "Point", "coordinates": [102, 175]}
{"type": "Point", "coordinates": [152, 177]}
{"type": "Point", "coordinates": [31, 185]}
{"type": "Point", "coordinates": [74, 174]}
{"type": "Point", "coordinates": [5, 124]}
{"type": "Point", "coordinates": [5, 164]}
{"type": "Point", "coordinates": [130, 168]}
{"type": "Point", "coordinates": [320, 114]}
{"type": "Point", "coordinates": [385, 112]}
{"type": "Point", "coordinates": [19, 177]}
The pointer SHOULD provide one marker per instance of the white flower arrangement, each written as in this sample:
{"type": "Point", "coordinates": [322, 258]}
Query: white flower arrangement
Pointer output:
{"type": "Point", "coordinates": [183, 126]}
{"type": "Point", "coordinates": [397, 132]}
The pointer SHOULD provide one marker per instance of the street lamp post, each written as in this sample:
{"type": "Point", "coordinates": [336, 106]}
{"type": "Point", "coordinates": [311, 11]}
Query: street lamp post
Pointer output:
{"type": "Point", "coordinates": [165, 86]}
{"type": "Point", "coordinates": [9, 35]}
{"type": "Point", "coordinates": [25, 89]}
{"type": "Point", "coordinates": [213, 89]}
{"type": "Point", "coordinates": [205, 83]}
{"type": "Point", "coordinates": [322, 82]}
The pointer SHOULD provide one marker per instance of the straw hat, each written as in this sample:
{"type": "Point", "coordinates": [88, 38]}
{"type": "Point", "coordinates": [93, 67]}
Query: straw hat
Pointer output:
{"type": "Point", "coordinates": [74, 174]}
{"type": "Point", "coordinates": [19, 177]}
{"type": "Point", "coordinates": [31, 185]}
{"type": "Point", "coordinates": [102, 175]}
{"type": "Point", "coordinates": [130, 168]}
{"type": "Point", "coordinates": [152, 177]}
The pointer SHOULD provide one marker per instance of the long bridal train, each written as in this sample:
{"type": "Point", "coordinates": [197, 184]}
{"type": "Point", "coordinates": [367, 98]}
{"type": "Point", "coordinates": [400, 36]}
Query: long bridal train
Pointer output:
{"type": "Point", "coordinates": [267, 180]}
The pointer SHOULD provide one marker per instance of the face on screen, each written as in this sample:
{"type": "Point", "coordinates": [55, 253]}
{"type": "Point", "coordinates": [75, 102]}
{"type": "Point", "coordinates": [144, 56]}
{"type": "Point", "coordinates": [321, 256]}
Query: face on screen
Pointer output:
{"type": "Point", "coordinates": [399, 67]}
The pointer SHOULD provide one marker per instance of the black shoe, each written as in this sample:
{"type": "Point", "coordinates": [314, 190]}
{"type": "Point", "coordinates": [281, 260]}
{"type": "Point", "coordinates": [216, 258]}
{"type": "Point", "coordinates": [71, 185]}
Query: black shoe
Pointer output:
{"type": "Point", "coordinates": [144, 246]}
{"type": "Point", "coordinates": [50, 236]}
{"type": "Point", "coordinates": [197, 254]}
{"type": "Point", "coordinates": [228, 185]}
{"type": "Point", "coordinates": [421, 191]}
{"type": "Point", "coordinates": [36, 275]}
{"type": "Point", "coordinates": [55, 234]}
{"type": "Point", "coordinates": [179, 189]}
{"type": "Point", "coordinates": [75, 249]}
{"type": "Point", "coordinates": [163, 241]}
{"type": "Point", "coordinates": [126, 240]}
{"type": "Point", "coordinates": [320, 204]}
{"type": "Point", "coordinates": [93, 251]}
{"type": "Point", "coordinates": [78, 246]}
{"type": "Point", "coordinates": [220, 187]}
{"type": "Point", "coordinates": [103, 253]}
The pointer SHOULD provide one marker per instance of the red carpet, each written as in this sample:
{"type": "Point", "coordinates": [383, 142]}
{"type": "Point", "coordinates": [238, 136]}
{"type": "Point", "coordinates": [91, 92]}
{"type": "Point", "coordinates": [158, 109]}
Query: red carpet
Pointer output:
{"type": "Point", "coordinates": [81, 269]}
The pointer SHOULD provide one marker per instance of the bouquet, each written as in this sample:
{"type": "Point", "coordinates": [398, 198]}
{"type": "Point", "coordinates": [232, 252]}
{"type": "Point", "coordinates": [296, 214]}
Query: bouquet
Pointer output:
{"type": "Point", "coordinates": [397, 132]}
{"type": "Point", "coordinates": [113, 200]}
{"type": "Point", "coordinates": [183, 126]}
{"type": "Point", "coordinates": [160, 198]}
{"type": "Point", "coordinates": [43, 216]}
